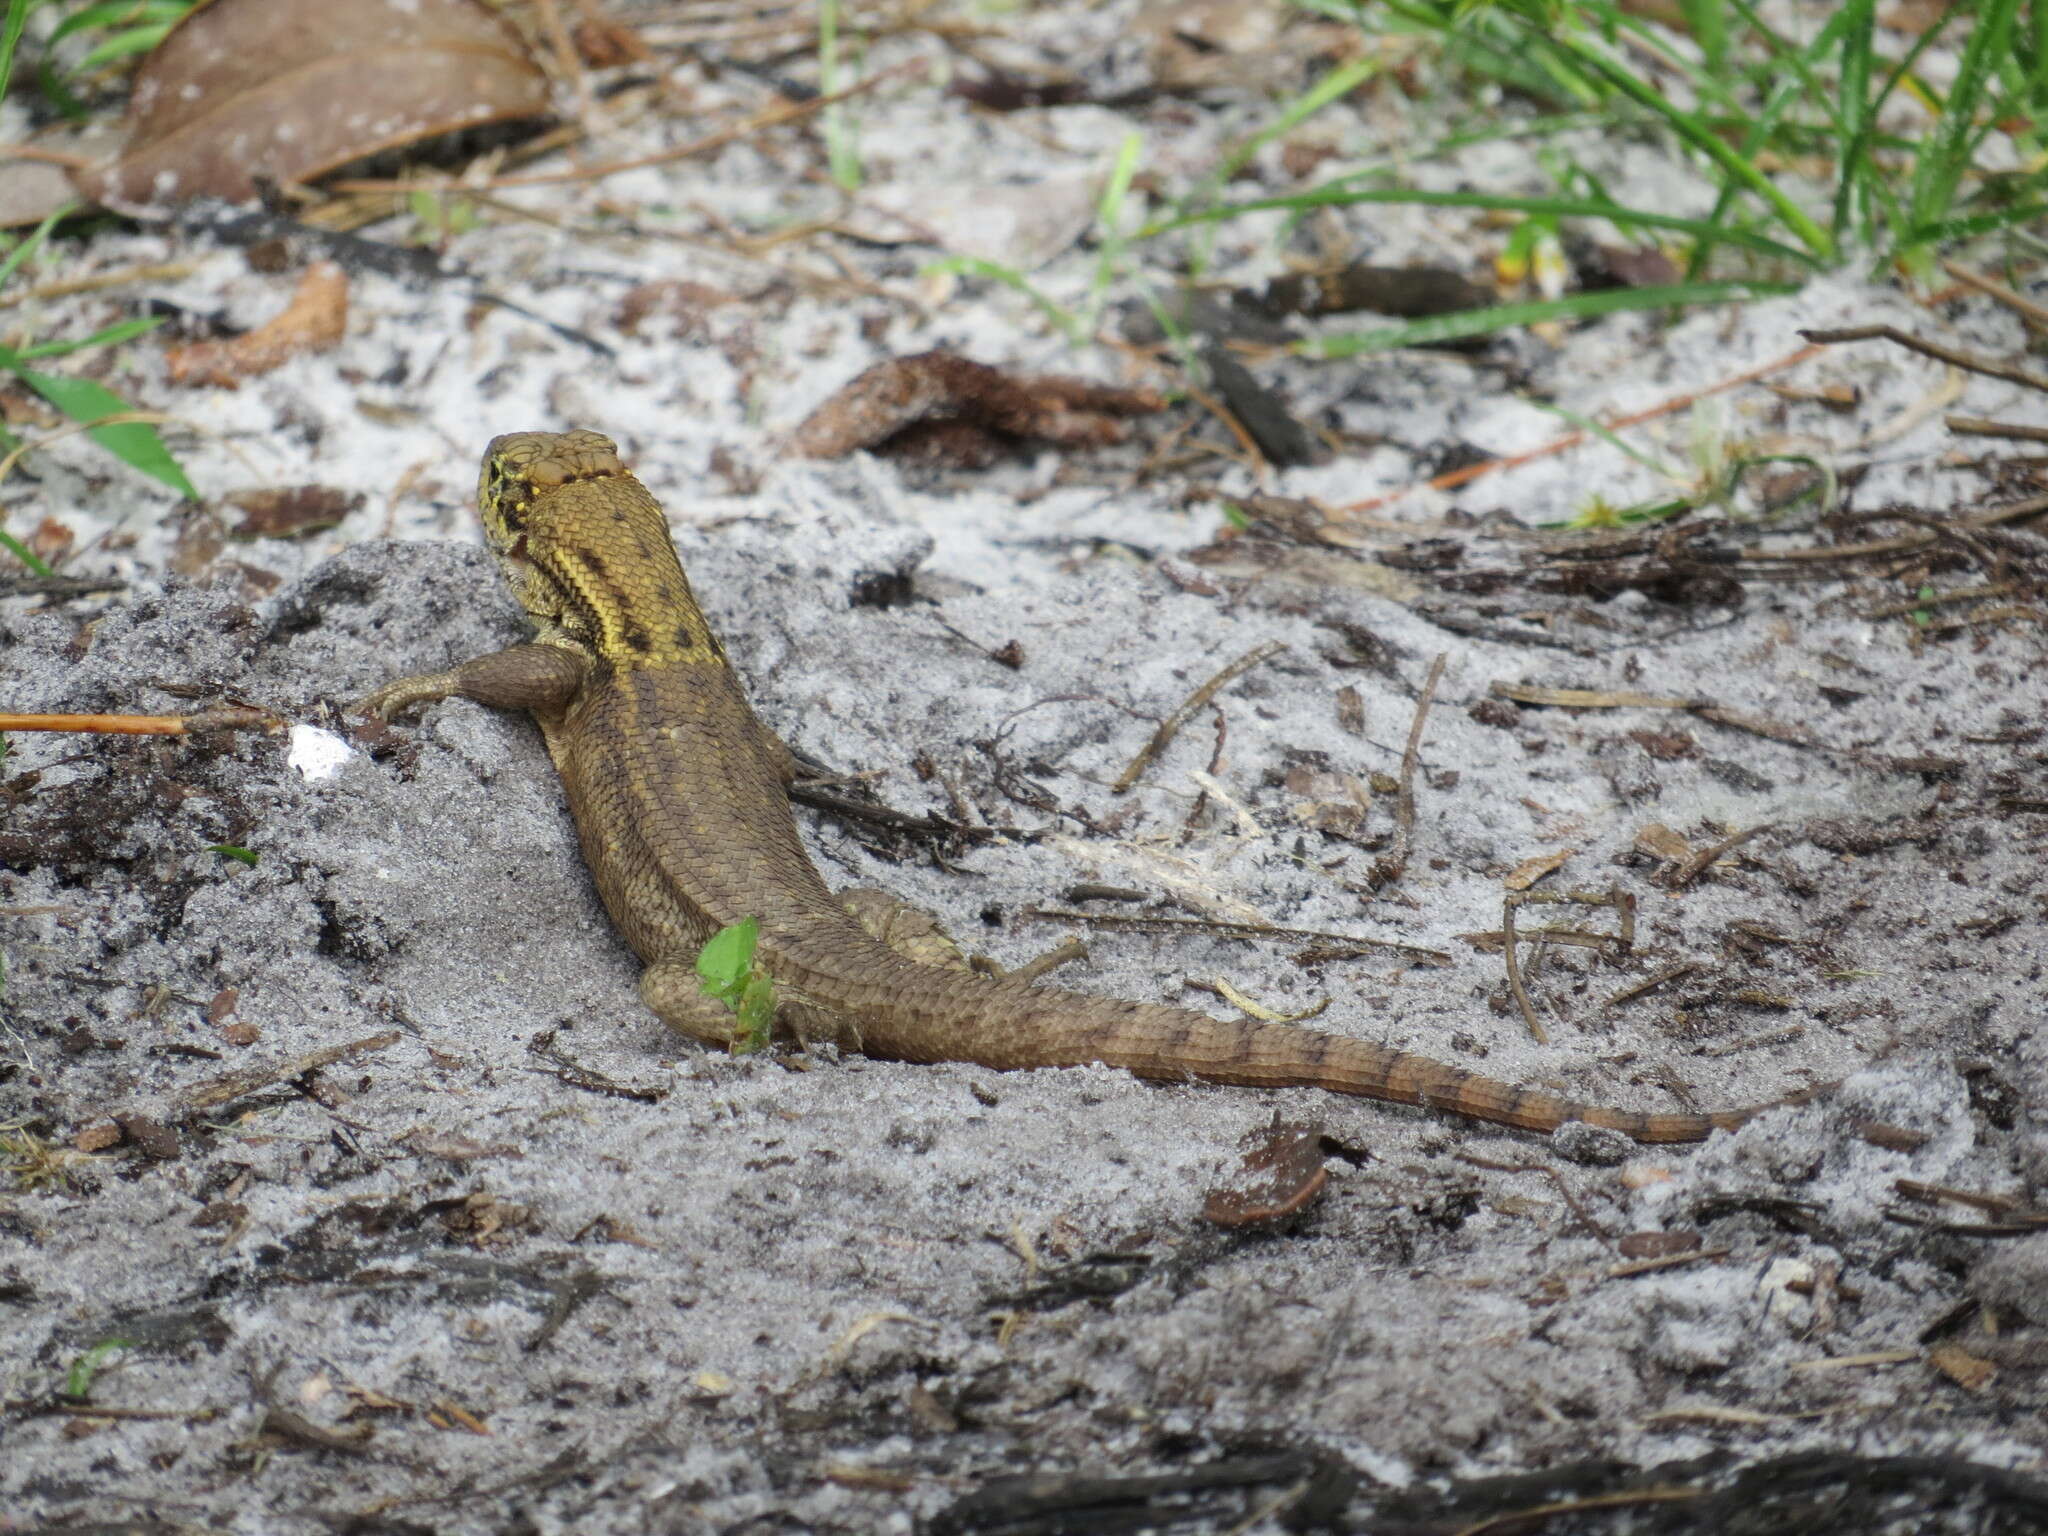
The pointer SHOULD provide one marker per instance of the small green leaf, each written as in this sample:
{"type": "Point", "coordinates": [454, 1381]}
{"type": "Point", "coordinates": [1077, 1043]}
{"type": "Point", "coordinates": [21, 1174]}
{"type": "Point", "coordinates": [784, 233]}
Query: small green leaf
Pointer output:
{"type": "Point", "coordinates": [727, 958]}
{"type": "Point", "coordinates": [134, 443]}
{"type": "Point", "coordinates": [78, 1380]}
{"type": "Point", "coordinates": [756, 1017]}
{"type": "Point", "coordinates": [230, 851]}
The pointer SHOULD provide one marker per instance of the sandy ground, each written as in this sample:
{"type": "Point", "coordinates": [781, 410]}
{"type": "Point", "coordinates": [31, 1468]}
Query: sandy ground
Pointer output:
{"type": "Point", "coordinates": [505, 1256]}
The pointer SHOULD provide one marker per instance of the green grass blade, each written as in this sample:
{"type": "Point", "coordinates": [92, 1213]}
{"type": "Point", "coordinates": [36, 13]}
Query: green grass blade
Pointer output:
{"type": "Point", "coordinates": [134, 443]}
{"type": "Point", "coordinates": [1335, 86]}
{"type": "Point", "coordinates": [124, 45]}
{"type": "Point", "coordinates": [1501, 317]}
{"type": "Point", "coordinates": [974, 266]}
{"type": "Point", "coordinates": [31, 241]}
{"type": "Point", "coordinates": [1855, 170]}
{"type": "Point", "coordinates": [1948, 153]}
{"type": "Point", "coordinates": [1690, 128]}
{"type": "Point", "coordinates": [10, 38]}
{"type": "Point", "coordinates": [36, 564]}
{"type": "Point", "coordinates": [120, 330]}
{"type": "Point", "coordinates": [1555, 207]}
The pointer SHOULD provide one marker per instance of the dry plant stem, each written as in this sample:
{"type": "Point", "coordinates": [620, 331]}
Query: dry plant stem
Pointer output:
{"type": "Point", "coordinates": [1623, 941]}
{"type": "Point", "coordinates": [119, 418]}
{"type": "Point", "coordinates": [2034, 315]}
{"type": "Point", "coordinates": [1651, 983]}
{"type": "Point", "coordinates": [228, 718]}
{"type": "Point", "coordinates": [2033, 506]}
{"type": "Point", "coordinates": [1233, 426]}
{"type": "Point", "coordinates": [1160, 923]}
{"type": "Point", "coordinates": [1522, 1000]}
{"type": "Point", "coordinates": [235, 1085]}
{"type": "Point", "coordinates": [1556, 1177]}
{"type": "Point", "coordinates": [1396, 863]}
{"type": "Point", "coordinates": [775, 117]}
{"type": "Point", "coordinates": [1699, 863]}
{"type": "Point", "coordinates": [1668, 1261]}
{"type": "Point", "coordinates": [1983, 426]}
{"type": "Point", "coordinates": [159, 272]}
{"type": "Point", "coordinates": [1171, 726]}
{"type": "Point", "coordinates": [1570, 440]}
{"type": "Point", "coordinates": [1900, 609]}
{"type": "Point", "coordinates": [64, 157]}
{"type": "Point", "coordinates": [1969, 362]}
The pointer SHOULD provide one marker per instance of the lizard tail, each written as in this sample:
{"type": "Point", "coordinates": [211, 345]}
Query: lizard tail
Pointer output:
{"type": "Point", "coordinates": [1175, 1045]}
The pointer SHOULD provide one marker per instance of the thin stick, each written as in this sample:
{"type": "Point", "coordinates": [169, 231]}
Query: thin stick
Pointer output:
{"type": "Point", "coordinates": [1982, 426]}
{"type": "Point", "coordinates": [1697, 865]}
{"type": "Point", "coordinates": [1164, 923]}
{"type": "Point", "coordinates": [1171, 726]}
{"type": "Point", "coordinates": [1969, 362]}
{"type": "Point", "coordinates": [157, 272]}
{"type": "Point", "coordinates": [229, 717]}
{"type": "Point", "coordinates": [1391, 868]}
{"type": "Point", "coordinates": [2034, 315]}
{"type": "Point", "coordinates": [2033, 506]}
{"type": "Point", "coordinates": [775, 117]}
{"type": "Point", "coordinates": [1522, 1000]}
{"type": "Point", "coordinates": [1457, 477]}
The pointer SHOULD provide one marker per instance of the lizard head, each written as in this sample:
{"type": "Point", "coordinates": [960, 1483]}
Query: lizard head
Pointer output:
{"type": "Point", "coordinates": [518, 468]}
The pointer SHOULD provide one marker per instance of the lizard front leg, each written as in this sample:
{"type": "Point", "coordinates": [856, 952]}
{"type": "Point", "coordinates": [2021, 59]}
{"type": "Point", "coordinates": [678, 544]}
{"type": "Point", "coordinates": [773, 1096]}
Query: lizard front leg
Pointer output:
{"type": "Point", "coordinates": [542, 678]}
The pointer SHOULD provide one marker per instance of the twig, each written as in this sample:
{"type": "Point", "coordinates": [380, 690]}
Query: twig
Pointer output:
{"type": "Point", "coordinates": [2033, 506]}
{"type": "Point", "coordinates": [1457, 477]}
{"type": "Point", "coordinates": [1390, 869]}
{"type": "Point", "coordinates": [235, 1085]}
{"type": "Point", "coordinates": [1983, 426]}
{"type": "Point", "coordinates": [1666, 1261]}
{"type": "Point", "coordinates": [1160, 923]}
{"type": "Point", "coordinates": [1170, 727]}
{"type": "Point", "coordinates": [1969, 362]}
{"type": "Point", "coordinates": [2033, 315]}
{"type": "Point", "coordinates": [59, 586]}
{"type": "Point", "coordinates": [156, 272]}
{"type": "Point", "coordinates": [564, 1069]}
{"type": "Point", "coordinates": [1522, 1000]}
{"type": "Point", "coordinates": [229, 717]}
{"type": "Point", "coordinates": [774, 117]}
{"type": "Point", "coordinates": [1697, 865]}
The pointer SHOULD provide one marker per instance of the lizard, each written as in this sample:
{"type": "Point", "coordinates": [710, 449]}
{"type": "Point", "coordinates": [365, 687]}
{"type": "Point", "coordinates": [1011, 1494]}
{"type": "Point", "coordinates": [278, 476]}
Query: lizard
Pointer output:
{"type": "Point", "coordinates": [680, 798]}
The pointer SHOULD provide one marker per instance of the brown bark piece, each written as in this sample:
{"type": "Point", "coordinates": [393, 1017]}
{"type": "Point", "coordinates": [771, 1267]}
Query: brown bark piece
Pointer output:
{"type": "Point", "coordinates": [948, 408]}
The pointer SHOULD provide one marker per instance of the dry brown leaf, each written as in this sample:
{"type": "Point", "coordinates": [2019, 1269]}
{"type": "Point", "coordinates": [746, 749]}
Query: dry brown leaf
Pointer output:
{"type": "Point", "coordinates": [287, 90]}
{"type": "Point", "coordinates": [1971, 1372]}
{"type": "Point", "coordinates": [1529, 871]}
{"type": "Point", "coordinates": [1279, 1174]}
{"type": "Point", "coordinates": [291, 511]}
{"type": "Point", "coordinates": [1660, 842]}
{"type": "Point", "coordinates": [313, 321]}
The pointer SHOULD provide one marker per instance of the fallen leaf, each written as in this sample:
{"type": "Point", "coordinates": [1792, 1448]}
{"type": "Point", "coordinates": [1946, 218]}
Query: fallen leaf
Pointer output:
{"type": "Point", "coordinates": [283, 91]}
{"type": "Point", "coordinates": [1971, 1372]}
{"type": "Point", "coordinates": [1280, 1174]}
{"type": "Point", "coordinates": [1660, 842]}
{"type": "Point", "coordinates": [946, 408]}
{"type": "Point", "coordinates": [290, 512]}
{"type": "Point", "coordinates": [312, 322]}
